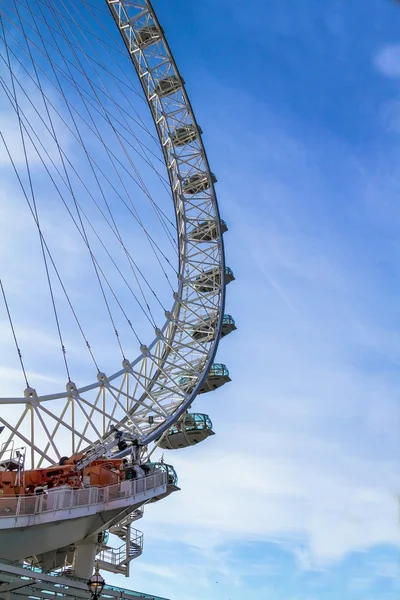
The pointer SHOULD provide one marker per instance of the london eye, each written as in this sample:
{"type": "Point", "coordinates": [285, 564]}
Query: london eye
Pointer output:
{"type": "Point", "coordinates": [113, 279]}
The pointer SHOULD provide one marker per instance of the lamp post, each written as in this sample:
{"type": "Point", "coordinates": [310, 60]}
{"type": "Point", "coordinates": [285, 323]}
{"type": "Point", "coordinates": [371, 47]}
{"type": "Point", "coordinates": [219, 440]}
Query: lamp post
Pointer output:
{"type": "Point", "coordinates": [96, 584]}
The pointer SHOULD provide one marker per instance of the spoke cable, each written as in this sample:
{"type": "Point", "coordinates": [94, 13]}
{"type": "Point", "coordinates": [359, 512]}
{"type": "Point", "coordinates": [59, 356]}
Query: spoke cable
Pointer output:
{"type": "Point", "coordinates": [35, 207]}
{"type": "Point", "coordinates": [14, 334]}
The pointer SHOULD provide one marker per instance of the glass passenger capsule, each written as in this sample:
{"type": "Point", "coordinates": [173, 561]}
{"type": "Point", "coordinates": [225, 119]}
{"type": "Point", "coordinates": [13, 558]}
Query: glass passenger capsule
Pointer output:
{"type": "Point", "coordinates": [172, 478]}
{"type": "Point", "coordinates": [147, 35]}
{"type": "Point", "coordinates": [168, 86]}
{"type": "Point", "coordinates": [207, 231]}
{"type": "Point", "coordinates": [217, 376]}
{"type": "Point", "coordinates": [188, 431]}
{"type": "Point", "coordinates": [184, 135]}
{"type": "Point", "coordinates": [204, 331]}
{"type": "Point", "coordinates": [199, 182]}
{"type": "Point", "coordinates": [210, 280]}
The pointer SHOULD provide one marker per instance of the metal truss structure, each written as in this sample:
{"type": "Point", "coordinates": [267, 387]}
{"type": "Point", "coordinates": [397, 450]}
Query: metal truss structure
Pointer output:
{"type": "Point", "coordinates": [21, 583]}
{"type": "Point", "coordinates": [148, 394]}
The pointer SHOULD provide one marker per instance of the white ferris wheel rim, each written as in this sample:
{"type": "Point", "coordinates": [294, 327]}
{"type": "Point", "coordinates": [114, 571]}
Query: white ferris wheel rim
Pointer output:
{"type": "Point", "coordinates": [132, 18]}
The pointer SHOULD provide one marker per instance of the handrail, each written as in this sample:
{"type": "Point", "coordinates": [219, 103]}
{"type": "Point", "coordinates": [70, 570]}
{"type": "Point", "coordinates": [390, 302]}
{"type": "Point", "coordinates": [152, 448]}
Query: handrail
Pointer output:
{"type": "Point", "coordinates": [67, 498]}
{"type": "Point", "coordinates": [126, 552]}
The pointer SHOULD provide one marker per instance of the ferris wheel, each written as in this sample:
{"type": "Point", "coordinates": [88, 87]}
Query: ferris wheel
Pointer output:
{"type": "Point", "coordinates": [78, 140]}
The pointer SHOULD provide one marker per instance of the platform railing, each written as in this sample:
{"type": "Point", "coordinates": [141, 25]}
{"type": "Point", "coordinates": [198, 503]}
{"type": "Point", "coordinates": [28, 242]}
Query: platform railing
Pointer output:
{"type": "Point", "coordinates": [66, 498]}
{"type": "Point", "coordinates": [126, 552]}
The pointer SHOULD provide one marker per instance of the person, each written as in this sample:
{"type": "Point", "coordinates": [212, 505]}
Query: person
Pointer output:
{"type": "Point", "coordinates": [41, 498]}
{"type": "Point", "coordinates": [130, 472]}
{"type": "Point", "coordinates": [128, 469]}
{"type": "Point", "coordinates": [146, 468]}
{"type": "Point", "coordinates": [139, 472]}
{"type": "Point", "coordinates": [139, 475]}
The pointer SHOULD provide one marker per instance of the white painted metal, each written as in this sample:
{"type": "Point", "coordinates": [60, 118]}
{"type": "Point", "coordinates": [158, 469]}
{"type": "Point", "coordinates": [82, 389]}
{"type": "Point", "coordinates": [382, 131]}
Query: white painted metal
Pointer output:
{"type": "Point", "coordinates": [34, 525]}
{"type": "Point", "coordinates": [21, 583]}
{"type": "Point", "coordinates": [117, 560]}
{"type": "Point", "coordinates": [145, 397]}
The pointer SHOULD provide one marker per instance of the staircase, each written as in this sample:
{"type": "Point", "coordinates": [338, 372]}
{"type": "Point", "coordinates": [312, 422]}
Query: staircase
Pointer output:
{"type": "Point", "coordinates": [117, 560]}
{"type": "Point", "coordinates": [121, 528]}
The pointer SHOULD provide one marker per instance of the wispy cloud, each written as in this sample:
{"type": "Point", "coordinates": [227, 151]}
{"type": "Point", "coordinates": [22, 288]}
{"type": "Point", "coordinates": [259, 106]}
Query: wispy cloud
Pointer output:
{"type": "Point", "coordinates": [307, 435]}
{"type": "Point", "coordinates": [302, 475]}
{"type": "Point", "coordinates": [387, 61]}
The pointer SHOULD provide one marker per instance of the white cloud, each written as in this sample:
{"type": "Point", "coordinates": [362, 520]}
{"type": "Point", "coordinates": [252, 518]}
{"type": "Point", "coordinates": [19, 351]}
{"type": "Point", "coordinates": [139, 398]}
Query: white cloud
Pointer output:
{"type": "Point", "coordinates": [259, 495]}
{"type": "Point", "coordinates": [158, 570]}
{"type": "Point", "coordinates": [390, 115]}
{"type": "Point", "coordinates": [305, 452]}
{"type": "Point", "coordinates": [387, 61]}
{"type": "Point", "coordinates": [307, 433]}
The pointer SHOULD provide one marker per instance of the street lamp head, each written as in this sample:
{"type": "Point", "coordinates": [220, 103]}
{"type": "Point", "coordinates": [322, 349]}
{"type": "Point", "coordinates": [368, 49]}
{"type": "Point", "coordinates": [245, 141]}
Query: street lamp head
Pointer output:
{"type": "Point", "coordinates": [96, 584]}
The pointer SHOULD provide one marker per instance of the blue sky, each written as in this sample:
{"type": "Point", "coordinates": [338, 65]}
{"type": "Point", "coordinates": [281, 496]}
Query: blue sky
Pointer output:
{"type": "Point", "coordinates": [295, 497]}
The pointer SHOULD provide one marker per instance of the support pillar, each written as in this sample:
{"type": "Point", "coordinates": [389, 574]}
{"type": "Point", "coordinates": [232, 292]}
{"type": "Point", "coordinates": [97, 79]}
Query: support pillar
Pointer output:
{"type": "Point", "coordinates": [85, 554]}
{"type": "Point", "coordinates": [47, 560]}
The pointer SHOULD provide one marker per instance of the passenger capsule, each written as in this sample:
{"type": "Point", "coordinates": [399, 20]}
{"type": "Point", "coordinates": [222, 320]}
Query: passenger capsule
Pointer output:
{"type": "Point", "coordinates": [172, 478]}
{"type": "Point", "coordinates": [207, 231]}
{"type": "Point", "coordinates": [190, 430]}
{"type": "Point", "coordinates": [147, 35]}
{"type": "Point", "coordinates": [217, 376]}
{"type": "Point", "coordinates": [210, 280]}
{"type": "Point", "coordinates": [184, 135]}
{"type": "Point", "coordinates": [204, 331]}
{"type": "Point", "coordinates": [199, 182]}
{"type": "Point", "coordinates": [168, 86]}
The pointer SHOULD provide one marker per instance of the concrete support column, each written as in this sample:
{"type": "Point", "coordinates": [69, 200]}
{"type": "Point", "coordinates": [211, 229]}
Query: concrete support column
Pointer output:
{"type": "Point", "coordinates": [85, 554]}
{"type": "Point", "coordinates": [47, 560]}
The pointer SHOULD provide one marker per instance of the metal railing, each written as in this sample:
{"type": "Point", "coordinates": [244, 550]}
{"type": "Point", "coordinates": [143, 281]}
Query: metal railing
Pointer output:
{"type": "Point", "coordinates": [122, 525]}
{"type": "Point", "coordinates": [132, 547]}
{"type": "Point", "coordinates": [67, 498]}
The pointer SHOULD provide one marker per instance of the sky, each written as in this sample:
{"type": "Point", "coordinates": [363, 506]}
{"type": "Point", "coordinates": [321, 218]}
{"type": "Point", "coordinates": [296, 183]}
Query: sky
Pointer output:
{"type": "Point", "coordinates": [295, 497]}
